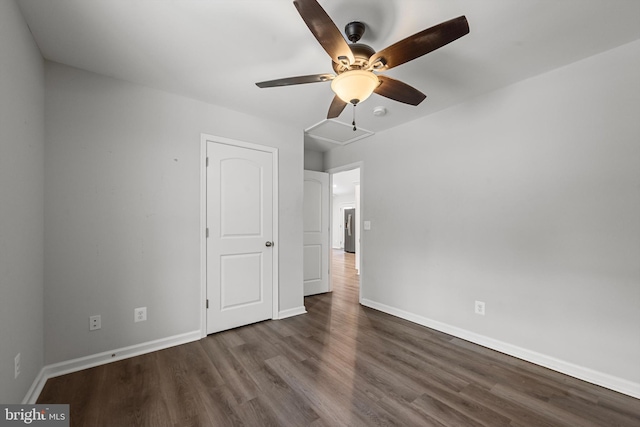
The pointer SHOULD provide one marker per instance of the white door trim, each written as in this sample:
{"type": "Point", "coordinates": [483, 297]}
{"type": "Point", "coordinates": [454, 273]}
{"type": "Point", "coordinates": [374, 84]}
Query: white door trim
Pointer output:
{"type": "Point", "coordinates": [350, 166]}
{"type": "Point", "coordinates": [204, 138]}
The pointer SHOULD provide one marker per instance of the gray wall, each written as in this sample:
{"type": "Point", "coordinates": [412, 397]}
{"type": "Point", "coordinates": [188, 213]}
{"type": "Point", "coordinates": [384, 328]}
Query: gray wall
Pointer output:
{"type": "Point", "coordinates": [528, 199]}
{"type": "Point", "coordinates": [313, 161]}
{"type": "Point", "coordinates": [122, 206]}
{"type": "Point", "coordinates": [21, 204]}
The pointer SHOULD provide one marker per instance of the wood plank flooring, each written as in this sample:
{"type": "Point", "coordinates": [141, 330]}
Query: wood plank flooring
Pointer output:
{"type": "Point", "coordinates": [339, 365]}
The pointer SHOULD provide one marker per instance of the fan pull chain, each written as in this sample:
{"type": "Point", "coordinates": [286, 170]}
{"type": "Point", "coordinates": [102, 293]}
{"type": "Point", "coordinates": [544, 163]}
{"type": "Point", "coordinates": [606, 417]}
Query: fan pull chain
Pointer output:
{"type": "Point", "coordinates": [354, 118]}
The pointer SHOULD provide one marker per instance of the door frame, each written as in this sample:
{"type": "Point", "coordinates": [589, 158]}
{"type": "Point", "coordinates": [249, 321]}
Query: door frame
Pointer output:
{"type": "Point", "coordinates": [348, 167]}
{"type": "Point", "coordinates": [204, 138]}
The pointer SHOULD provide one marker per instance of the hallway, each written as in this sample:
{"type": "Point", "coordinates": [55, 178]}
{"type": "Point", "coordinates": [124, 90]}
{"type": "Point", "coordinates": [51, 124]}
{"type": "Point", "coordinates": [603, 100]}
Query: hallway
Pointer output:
{"type": "Point", "coordinates": [343, 271]}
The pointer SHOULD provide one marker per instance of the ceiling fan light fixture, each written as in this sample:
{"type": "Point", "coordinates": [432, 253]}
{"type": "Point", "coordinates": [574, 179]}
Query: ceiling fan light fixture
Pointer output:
{"type": "Point", "coordinates": [355, 86]}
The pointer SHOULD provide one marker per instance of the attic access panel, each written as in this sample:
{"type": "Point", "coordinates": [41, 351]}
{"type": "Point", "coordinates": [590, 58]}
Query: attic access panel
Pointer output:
{"type": "Point", "coordinates": [337, 132]}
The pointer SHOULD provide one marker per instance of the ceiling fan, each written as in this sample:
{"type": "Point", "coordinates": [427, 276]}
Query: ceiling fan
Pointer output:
{"type": "Point", "coordinates": [355, 65]}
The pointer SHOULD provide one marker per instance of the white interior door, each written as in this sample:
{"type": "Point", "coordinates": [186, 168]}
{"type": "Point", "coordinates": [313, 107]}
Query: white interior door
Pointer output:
{"type": "Point", "coordinates": [240, 189]}
{"type": "Point", "coordinates": [316, 232]}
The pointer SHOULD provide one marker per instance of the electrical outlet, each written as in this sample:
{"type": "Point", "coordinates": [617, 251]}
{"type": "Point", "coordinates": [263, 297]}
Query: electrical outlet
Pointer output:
{"type": "Point", "coordinates": [480, 308]}
{"type": "Point", "coordinates": [140, 314]}
{"type": "Point", "coordinates": [16, 366]}
{"type": "Point", "coordinates": [95, 322]}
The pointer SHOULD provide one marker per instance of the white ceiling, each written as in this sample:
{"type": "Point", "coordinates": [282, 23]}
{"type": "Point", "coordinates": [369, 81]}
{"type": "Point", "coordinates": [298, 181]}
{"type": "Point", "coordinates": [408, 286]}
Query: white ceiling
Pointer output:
{"type": "Point", "coordinates": [215, 50]}
{"type": "Point", "coordinates": [344, 183]}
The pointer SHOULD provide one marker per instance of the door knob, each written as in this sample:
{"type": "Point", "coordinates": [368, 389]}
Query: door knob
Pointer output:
{"type": "Point", "coordinates": [268, 244]}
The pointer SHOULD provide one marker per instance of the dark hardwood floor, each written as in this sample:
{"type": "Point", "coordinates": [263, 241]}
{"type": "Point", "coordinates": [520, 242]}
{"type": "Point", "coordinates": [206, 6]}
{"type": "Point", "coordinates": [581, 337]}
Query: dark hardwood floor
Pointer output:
{"type": "Point", "coordinates": [339, 365]}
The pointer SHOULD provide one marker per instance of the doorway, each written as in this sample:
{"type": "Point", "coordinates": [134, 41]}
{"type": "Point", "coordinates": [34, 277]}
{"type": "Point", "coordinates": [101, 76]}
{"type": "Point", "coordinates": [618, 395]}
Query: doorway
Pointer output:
{"type": "Point", "coordinates": [346, 248]}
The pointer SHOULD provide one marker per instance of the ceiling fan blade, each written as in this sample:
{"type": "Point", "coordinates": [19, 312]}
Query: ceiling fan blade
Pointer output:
{"type": "Point", "coordinates": [419, 44]}
{"type": "Point", "coordinates": [399, 91]}
{"type": "Point", "coordinates": [325, 31]}
{"type": "Point", "coordinates": [336, 107]}
{"type": "Point", "coordinates": [288, 81]}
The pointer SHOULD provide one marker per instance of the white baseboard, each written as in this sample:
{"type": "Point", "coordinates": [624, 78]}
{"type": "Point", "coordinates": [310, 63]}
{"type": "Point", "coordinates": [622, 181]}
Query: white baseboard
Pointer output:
{"type": "Point", "coordinates": [74, 365]}
{"type": "Point", "coordinates": [292, 312]}
{"type": "Point", "coordinates": [595, 377]}
{"type": "Point", "coordinates": [35, 389]}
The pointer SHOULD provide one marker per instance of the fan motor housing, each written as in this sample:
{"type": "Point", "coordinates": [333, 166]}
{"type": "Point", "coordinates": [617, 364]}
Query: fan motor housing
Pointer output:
{"type": "Point", "coordinates": [361, 53]}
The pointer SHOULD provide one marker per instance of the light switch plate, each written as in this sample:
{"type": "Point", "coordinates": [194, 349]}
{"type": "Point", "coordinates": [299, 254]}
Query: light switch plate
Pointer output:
{"type": "Point", "coordinates": [367, 225]}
